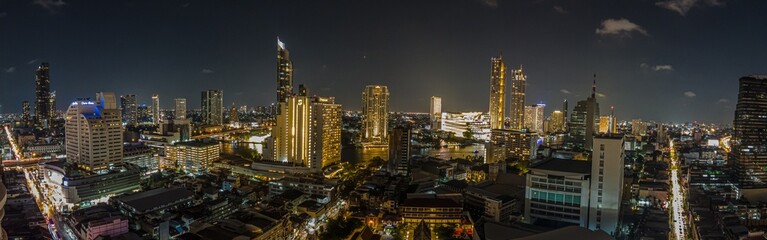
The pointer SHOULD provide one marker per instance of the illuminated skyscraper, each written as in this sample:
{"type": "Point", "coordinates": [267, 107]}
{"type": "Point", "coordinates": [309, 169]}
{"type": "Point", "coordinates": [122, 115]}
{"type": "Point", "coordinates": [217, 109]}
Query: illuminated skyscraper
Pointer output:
{"type": "Point", "coordinates": [308, 132]}
{"type": "Point", "coordinates": [604, 123]}
{"type": "Point", "coordinates": [284, 72]}
{"type": "Point", "coordinates": [156, 110]}
{"type": "Point", "coordinates": [129, 109]}
{"type": "Point", "coordinates": [87, 121]}
{"type": "Point", "coordinates": [497, 92]}
{"type": "Point", "coordinates": [25, 114]}
{"type": "Point", "coordinates": [213, 107]}
{"type": "Point", "coordinates": [749, 149]}
{"type": "Point", "coordinates": [435, 112]}
{"type": "Point", "coordinates": [180, 111]}
{"type": "Point", "coordinates": [556, 121]}
{"type": "Point", "coordinates": [517, 111]}
{"type": "Point", "coordinates": [44, 110]}
{"type": "Point", "coordinates": [638, 127]}
{"type": "Point", "coordinates": [234, 116]}
{"type": "Point", "coordinates": [375, 116]}
{"type": "Point", "coordinates": [534, 117]}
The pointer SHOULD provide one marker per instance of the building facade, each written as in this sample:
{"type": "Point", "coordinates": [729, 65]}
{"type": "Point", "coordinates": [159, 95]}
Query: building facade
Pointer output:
{"type": "Point", "coordinates": [534, 117]}
{"type": "Point", "coordinates": [375, 116]}
{"type": "Point", "coordinates": [45, 108]}
{"type": "Point", "coordinates": [194, 156]}
{"type": "Point", "coordinates": [180, 110]}
{"type": "Point", "coordinates": [497, 92]}
{"type": "Point", "coordinates": [94, 132]}
{"type": "Point", "coordinates": [749, 150]}
{"type": "Point", "coordinates": [517, 112]}
{"type": "Point", "coordinates": [606, 190]}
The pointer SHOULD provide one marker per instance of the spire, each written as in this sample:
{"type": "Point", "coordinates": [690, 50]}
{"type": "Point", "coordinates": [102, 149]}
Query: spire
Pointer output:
{"type": "Point", "coordinates": [612, 111]}
{"type": "Point", "coordinates": [594, 86]}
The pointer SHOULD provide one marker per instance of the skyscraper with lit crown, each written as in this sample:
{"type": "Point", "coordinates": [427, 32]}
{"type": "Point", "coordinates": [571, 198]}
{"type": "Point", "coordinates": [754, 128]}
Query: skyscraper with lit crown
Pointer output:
{"type": "Point", "coordinates": [497, 92]}
{"type": "Point", "coordinates": [517, 111]}
{"type": "Point", "coordinates": [375, 116]}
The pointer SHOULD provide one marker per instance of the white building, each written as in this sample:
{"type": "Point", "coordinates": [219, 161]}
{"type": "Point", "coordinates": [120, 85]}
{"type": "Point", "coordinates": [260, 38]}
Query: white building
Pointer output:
{"type": "Point", "coordinates": [476, 123]}
{"type": "Point", "coordinates": [607, 163]}
{"type": "Point", "coordinates": [435, 112]}
{"type": "Point", "coordinates": [94, 132]}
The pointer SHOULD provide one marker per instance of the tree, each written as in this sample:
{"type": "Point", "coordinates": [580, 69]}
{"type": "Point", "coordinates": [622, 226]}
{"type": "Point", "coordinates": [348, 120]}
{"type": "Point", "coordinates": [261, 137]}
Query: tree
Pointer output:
{"type": "Point", "coordinates": [446, 232]}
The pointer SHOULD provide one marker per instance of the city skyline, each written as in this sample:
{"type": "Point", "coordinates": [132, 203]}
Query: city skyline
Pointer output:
{"type": "Point", "coordinates": [665, 51]}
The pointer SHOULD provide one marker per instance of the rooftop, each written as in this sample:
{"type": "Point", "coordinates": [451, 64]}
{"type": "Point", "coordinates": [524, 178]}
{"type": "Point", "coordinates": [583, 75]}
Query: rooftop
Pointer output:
{"type": "Point", "coordinates": [430, 202]}
{"type": "Point", "coordinates": [564, 165]}
{"type": "Point", "coordinates": [197, 144]}
{"type": "Point", "coordinates": [148, 200]}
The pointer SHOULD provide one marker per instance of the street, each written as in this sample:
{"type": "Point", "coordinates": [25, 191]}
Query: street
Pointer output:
{"type": "Point", "coordinates": [677, 197]}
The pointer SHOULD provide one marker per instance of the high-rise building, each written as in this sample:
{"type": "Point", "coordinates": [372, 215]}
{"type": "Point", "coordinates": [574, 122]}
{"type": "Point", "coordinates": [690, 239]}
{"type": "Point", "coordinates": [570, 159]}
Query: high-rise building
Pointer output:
{"type": "Point", "coordinates": [129, 108]}
{"type": "Point", "coordinates": [213, 107]}
{"type": "Point", "coordinates": [234, 116]}
{"type": "Point", "coordinates": [749, 149]}
{"type": "Point", "coordinates": [565, 120]}
{"type": "Point", "coordinates": [180, 111]}
{"type": "Point", "coordinates": [308, 132]}
{"type": "Point", "coordinates": [400, 151]}
{"type": "Point", "coordinates": [497, 92]}
{"type": "Point", "coordinates": [375, 116]}
{"type": "Point", "coordinates": [518, 111]}
{"type": "Point", "coordinates": [25, 114]}
{"type": "Point", "coordinates": [638, 127]}
{"type": "Point", "coordinates": [607, 167]}
{"type": "Point", "coordinates": [516, 144]}
{"type": "Point", "coordinates": [435, 112]}
{"type": "Point", "coordinates": [473, 125]}
{"type": "Point", "coordinates": [94, 133]}
{"type": "Point", "coordinates": [284, 72]}
{"type": "Point", "coordinates": [156, 110]}
{"type": "Point", "coordinates": [556, 122]}
{"type": "Point", "coordinates": [604, 123]}
{"type": "Point", "coordinates": [534, 117]}
{"type": "Point", "coordinates": [44, 110]}
{"type": "Point", "coordinates": [326, 130]}
{"type": "Point", "coordinates": [584, 121]}
{"type": "Point", "coordinates": [662, 137]}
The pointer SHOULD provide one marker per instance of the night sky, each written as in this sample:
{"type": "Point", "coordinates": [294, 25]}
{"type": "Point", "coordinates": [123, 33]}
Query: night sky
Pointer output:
{"type": "Point", "coordinates": [676, 60]}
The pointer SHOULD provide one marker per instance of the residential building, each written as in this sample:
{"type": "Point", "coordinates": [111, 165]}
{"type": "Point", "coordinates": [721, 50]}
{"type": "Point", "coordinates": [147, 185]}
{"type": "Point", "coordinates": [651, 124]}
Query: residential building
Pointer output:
{"type": "Point", "coordinates": [196, 156]}
{"type": "Point", "coordinates": [156, 115]}
{"type": "Point", "coordinates": [534, 118]}
{"type": "Point", "coordinates": [375, 116]}
{"type": "Point", "coordinates": [518, 110]}
{"type": "Point", "coordinates": [497, 92]}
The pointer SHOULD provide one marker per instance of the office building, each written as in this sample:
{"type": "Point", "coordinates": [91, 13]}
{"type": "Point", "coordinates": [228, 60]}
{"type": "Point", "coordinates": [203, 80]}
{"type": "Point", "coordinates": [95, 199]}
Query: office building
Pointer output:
{"type": "Point", "coordinates": [213, 107]}
{"type": "Point", "coordinates": [435, 112]}
{"type": "Point", "coordinates": [326, 130]}
{"type": "Point", "coordinates": [749, 150]}
{"type": "Point", "coordinates": [308, 132]}
{"type": "Point", "coordinates": [156, 115]}
{"type": "Point", "coordinates": [556, 122]}
{"type": "Point", "coordinates": [75, 187]}
{"type": "Point", "coordinates": [44, 104]}
{"type": "Point", "coordinates": [129, 108]}
{"type": "Point", "coordinates": [26, 117]}
{"type": "Point", "coordinates": [534, 118]}
{"type": "Point", "coordinates": [584, 121]}
{"type": "Point", "coordinates": [375, 116]}
{"type": "Point", "coordinates": [638, 127]}
{"type": "Point", "coordinates": [400, 147]}
{"type": "Point", "coordinates": [474, 125]}
{"type": "Point", "coordinates": [284, 73]}
{"type": "Point", "coordinates": [497, 92]}
{"type": "Point", "coordinates": [584, 193]}
{"type": "Point", "coordinates": [86, 121]}
{"type": "Point", "coordinates": [180, 110]}
{"type": "Point", "coordinates": [194, 157]}
{"type": "Point", "coordinates": [518, 110]}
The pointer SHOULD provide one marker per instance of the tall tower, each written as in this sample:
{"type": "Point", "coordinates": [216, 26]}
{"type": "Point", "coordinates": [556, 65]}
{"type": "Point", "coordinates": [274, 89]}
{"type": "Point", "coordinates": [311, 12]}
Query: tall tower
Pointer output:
{"type": "Point", "coordinates": [326, 131]}
{"type": "Point", "coordinates": [534, 117]}
{"type": "Point", "coordinates": [180, 111]}
{"type": "Point", "coordinates": [87, 120]}
{"type": "Point", "coordinates": [435, 112]}
{"type": "Point", "coordinates": [213, 107]}
{"type": "Point", "coordinates": [375, 116]}
{"type": "Point", "coordinates": [565, 121]}
{"type": "Point", "coordinates": [156, 109]}
{"type": "Point", "coordinates": [749, 149]}
{"type": "Point", "coordinates": [284, 73]}
{"type": "Point", "coordinates": [497, 92]}
{"type": "Point", "coordinates": [592, 116]}
{"type": "Point", "coordinates": [517, 113]}
{"type": "Point", "coordinates": [129, 109]}
{"type": "Point", "coordinates": [25, 115]}
{"type": "Point", "coordinates": [43, 108]}
{"type": "Point", "coordinates": [400, 151]}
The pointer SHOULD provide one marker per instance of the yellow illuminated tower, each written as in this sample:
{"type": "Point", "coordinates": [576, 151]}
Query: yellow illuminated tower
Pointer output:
{"type": "Point", "coordinates": [497, 92]}
{"type": "Point", "coordinates": [375, 116]}
{"type": "Point", "coordinates": [517, 110]}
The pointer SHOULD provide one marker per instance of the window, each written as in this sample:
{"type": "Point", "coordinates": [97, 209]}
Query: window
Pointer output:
{"type": "Point", "coordinates": [601, 147]}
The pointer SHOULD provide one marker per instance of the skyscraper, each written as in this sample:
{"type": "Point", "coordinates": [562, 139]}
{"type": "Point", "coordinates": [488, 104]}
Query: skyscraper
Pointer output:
{"type": "Point", "coordinates": [638, 127]}
{"type": "Point", "coordinates": [213, 107]}
{"type": "Point", "coordinates": [308, 132]}
{"type": "Point", "coordinates": [234, 116]}
{"type": "Point", "coordinates": [534, 118]}
{"type": "Point", "coordinates": [604, 124]}
{"type": "Point", "coordinates": [399, 151]}
{"type": "Point", "coordinates": [86, 121]}
{"type": "Point", "coordinates": [156, 109]}
{"type": "Point", "coordinates": [749, 149]}
{"type": "Point", "coordinates": [25, 115]}
{"type": "Point", "coordinates": [497, 92]}
{"type": "Point", "coordinates": [556, 122]}
{"type": "Point", "coordinates": [284, 72]}
{"type": "Point", "coordinates": [129, 108]}
{"type": "Point", "coordinates": [375, 116]}
{"type": "Point", "coordinates": [584, 121]}
{"type": "Point", "coordinates": [435, 112]}
{"type": "Point", "coordinates": [565, 120]}
{"type": "Point", "coordinates": [517, 111]}
{"type": "Point", "coordinates": [44, 110]}
{"type": "Point", "coordinates": [180, 113]}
